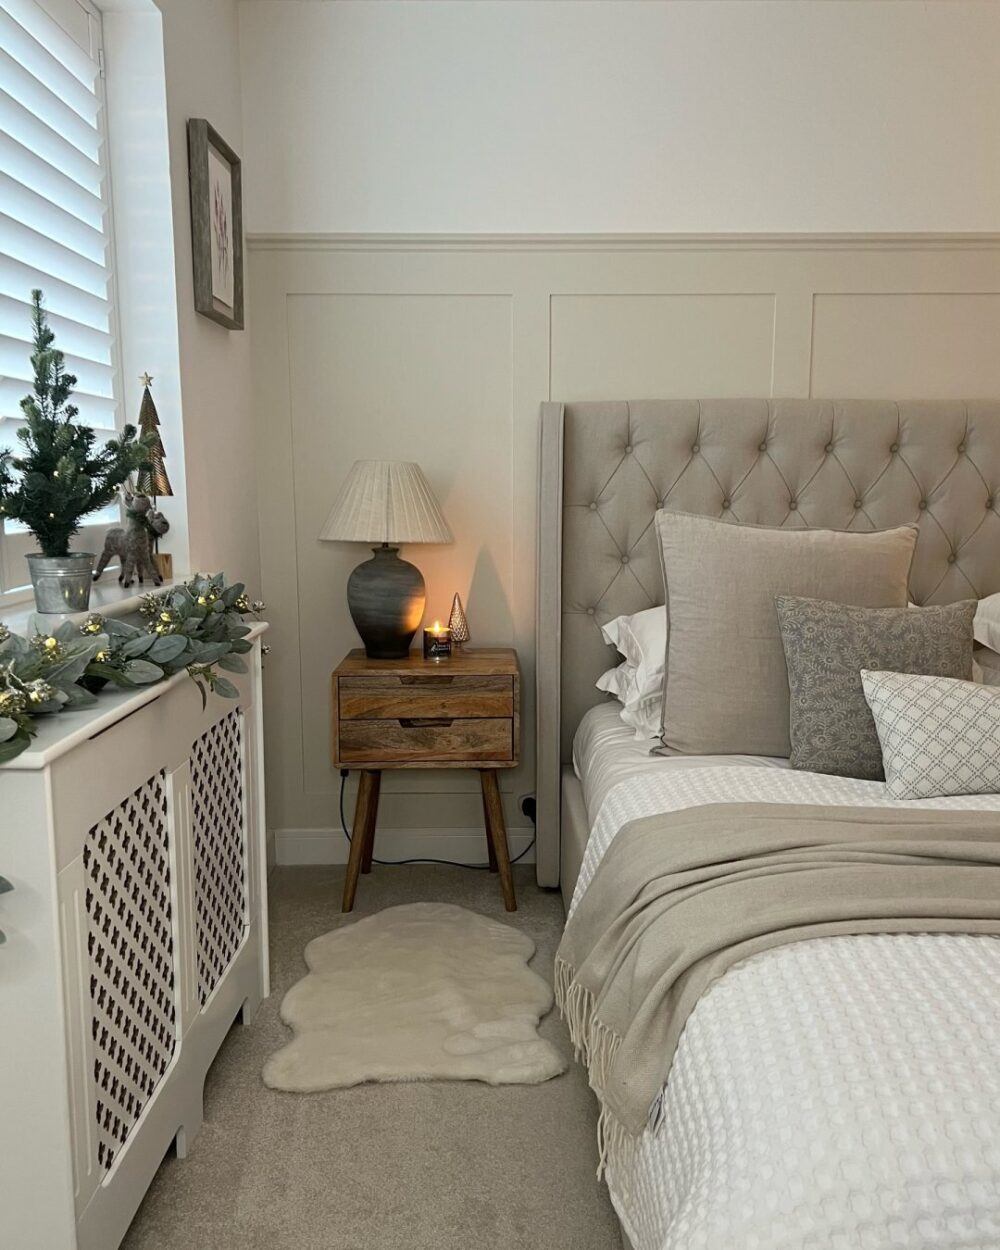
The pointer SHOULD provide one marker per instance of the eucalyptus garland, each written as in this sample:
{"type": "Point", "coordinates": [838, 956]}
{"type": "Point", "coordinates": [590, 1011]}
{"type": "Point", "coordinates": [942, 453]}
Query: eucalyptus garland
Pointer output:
{"type": "Point", "coordinates": [198, 627]}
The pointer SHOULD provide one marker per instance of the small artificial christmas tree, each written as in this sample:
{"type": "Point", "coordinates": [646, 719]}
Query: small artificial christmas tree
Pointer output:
{"type": "Point", "coordinates": [61, 476]}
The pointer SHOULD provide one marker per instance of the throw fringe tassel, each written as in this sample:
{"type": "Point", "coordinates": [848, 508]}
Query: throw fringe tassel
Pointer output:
{"type": "Point", "coordinates": [595, 1046]}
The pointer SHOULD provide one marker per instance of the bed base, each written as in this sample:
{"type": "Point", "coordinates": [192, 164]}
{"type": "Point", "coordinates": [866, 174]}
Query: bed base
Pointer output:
{"type": "Point", "coordinates": [573, 834]}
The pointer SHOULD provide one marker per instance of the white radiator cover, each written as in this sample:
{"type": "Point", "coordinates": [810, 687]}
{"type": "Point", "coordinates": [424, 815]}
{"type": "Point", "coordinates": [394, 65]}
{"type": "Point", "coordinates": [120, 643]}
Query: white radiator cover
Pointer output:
{"type": "Point", "coordinates": [134, 836]}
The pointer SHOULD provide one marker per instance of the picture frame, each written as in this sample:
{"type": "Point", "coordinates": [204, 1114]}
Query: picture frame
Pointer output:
{"type": "Point", "coordinates": [215, 176]}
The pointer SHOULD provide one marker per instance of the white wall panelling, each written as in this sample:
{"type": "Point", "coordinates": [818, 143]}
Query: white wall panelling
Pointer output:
{"type": "Point", "coordinates": [441, 349]}
{"type": "Point", "coordinates": [440, 394]}
{"type": "Point", "coordinates": [877, 341]}
{"type": "Point", "coordinates": [651, 344]}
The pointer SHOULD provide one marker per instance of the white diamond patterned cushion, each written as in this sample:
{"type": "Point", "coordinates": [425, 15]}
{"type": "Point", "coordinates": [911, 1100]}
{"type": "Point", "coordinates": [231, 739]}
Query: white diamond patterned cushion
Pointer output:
{"type": "Point", "coordinates": [939, 735]}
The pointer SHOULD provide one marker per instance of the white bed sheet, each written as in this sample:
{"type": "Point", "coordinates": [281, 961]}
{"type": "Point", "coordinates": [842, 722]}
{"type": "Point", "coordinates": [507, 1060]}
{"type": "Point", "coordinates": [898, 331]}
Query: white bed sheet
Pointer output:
{"type": "Point", "coordinates": [605, 752]}
{"type": "Point", "coordinates": [837, 1094]}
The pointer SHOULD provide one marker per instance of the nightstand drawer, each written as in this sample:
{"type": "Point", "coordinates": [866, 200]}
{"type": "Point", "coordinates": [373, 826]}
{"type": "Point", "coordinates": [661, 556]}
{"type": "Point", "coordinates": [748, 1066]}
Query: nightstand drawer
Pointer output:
{"type": "Point", "coordinates": [393, 697]}
{"type": "Point", "coordinates": [409, 740]}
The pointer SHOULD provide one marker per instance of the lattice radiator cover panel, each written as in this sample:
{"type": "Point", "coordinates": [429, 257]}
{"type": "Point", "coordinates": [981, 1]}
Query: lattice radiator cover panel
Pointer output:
{"type": "Point", "coordinates": [131, 951]}
{"type": "Point", "coordinates": [218, 824]}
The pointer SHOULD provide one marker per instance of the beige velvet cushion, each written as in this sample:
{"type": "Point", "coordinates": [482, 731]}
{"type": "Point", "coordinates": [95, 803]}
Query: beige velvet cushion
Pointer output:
{"type": "Point", "coordinates": [726, 688]}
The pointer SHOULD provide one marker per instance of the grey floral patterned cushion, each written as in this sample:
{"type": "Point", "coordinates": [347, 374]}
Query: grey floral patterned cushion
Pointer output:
{"type": "Point", "coordinates": [939, 736]}
{"type": "Point", "coordinates": [826, 647]}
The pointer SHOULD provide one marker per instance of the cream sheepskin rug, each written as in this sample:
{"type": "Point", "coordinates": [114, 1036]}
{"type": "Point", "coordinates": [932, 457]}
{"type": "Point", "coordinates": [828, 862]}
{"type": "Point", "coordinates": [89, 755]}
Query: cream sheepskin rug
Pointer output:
{"type": "Point", "coordinates": [428, 991]}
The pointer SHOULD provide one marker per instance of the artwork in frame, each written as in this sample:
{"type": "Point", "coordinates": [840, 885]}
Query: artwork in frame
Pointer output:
{"type": "Point", "coordinates": [214, 172]}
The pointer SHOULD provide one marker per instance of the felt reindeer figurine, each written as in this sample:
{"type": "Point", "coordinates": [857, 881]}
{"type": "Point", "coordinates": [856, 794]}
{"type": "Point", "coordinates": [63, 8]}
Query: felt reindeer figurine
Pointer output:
{"type": "Point", "coordinates": [133, 543]}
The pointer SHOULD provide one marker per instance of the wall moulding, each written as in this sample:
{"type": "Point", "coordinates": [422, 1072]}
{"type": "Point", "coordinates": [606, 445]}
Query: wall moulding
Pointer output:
{"type": "Point", "coordinates": [363, 341]}
{"type": "Point", "coordinates": [617, 242]}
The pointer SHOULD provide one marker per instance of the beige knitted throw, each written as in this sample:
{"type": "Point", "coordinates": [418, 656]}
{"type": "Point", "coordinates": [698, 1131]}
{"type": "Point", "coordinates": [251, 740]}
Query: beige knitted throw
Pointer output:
{"type": "Point", "coordinates": [682, 896]}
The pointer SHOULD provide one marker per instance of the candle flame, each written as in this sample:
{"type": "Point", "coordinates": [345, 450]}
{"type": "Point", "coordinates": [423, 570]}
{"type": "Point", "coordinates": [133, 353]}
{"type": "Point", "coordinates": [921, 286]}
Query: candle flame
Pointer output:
{"type": "Point", "coordinates": [436, 628]}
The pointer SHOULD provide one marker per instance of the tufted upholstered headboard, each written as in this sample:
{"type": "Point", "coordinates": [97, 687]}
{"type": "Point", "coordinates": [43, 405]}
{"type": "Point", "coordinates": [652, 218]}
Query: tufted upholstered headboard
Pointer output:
{"type": "Point", "coordinates": [607, 467]}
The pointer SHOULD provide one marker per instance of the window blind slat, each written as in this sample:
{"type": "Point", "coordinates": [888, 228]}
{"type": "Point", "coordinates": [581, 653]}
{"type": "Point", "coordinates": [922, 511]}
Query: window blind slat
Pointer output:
{"type": "Point", "coordinates": [31, 247]}
{"type": "Point", "coordinates": [91, 378]}
{"type": "Point", "coordinates": [31, 171]}
{"type": "Point", "coordinates": [76, 340]}
{"type": "Point", "coordinates": [38, 43]}
{"type": "Point", "coordinates": [18, 202]}
{"type": "Point", "coordinates": [30, 104]}
{"type": "Point", "coordinates": [99, 412]}
{"type": "Point", "coordinates": [39, 21]}
{"type": "Point", "coordinates": [73, 17]}
{"type": "Point", "coordinates": [62, 298]}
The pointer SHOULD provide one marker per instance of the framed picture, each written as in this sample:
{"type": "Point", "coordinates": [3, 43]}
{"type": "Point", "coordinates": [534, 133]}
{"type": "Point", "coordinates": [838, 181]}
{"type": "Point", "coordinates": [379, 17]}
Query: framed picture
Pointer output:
{"type": "Point", "coordinates": [216, 225]}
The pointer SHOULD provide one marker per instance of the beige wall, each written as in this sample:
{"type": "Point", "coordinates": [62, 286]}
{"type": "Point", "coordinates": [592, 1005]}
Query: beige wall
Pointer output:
{"type": "Point", "coordinates": [202, 75]}
{"type": "Point", "coordinates": [622, 115]}
{"type": "Point", "coordinates": [441, 351]}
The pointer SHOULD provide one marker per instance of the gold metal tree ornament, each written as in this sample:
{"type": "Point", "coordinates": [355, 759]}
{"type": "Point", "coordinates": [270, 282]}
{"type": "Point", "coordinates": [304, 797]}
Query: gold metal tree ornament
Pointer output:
{"type": "Point", "coordinates": [152, 478]}
{"type": "Point", "coordinates": [458, 623]}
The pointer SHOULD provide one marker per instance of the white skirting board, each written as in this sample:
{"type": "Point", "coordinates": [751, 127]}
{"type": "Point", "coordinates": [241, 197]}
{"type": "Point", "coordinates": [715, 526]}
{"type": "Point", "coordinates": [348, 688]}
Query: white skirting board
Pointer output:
{"type": "Point", "coordinates": [329, 846]}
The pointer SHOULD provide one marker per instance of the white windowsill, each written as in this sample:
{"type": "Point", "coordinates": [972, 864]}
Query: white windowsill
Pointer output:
{"type": "Point", "coordinates": [106, 598]}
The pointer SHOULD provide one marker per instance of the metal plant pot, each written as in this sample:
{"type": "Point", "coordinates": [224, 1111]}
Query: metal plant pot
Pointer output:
{"type": "Point", "coordinates": [62, 583]}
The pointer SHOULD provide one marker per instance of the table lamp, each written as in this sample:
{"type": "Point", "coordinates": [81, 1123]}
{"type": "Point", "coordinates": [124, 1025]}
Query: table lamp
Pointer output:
{"type": "Point", "coordinates": [386, 502]}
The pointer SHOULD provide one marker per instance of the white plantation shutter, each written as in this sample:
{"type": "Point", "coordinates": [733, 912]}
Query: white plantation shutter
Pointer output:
{"type": "Point", "coordinates": [54, 223]}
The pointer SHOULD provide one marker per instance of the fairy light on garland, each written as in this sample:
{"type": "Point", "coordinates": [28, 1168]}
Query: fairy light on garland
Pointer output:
{"type": "Point", "coordinates": [49, 648]}
{"type": "Point", "coordinates": [12, 702]}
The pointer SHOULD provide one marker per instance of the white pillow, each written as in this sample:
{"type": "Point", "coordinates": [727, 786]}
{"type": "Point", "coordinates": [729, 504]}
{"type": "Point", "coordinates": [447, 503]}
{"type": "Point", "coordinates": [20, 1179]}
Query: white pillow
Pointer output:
{"type": "Point", "coordinates": [644, 713]}
{"type": "Point", "coordinates": [939, 735]}
{"type": "Point", "coordinates": [638, 683]}
{"type": "Point", "coordinates": [641, 639]}
{"type": "Point", "coordinates": [986, 625]}
{"type": "Point", "coordinates": [617, 681]}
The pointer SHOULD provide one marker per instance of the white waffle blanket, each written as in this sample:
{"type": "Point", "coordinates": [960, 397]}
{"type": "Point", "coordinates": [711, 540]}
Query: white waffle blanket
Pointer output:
{"type": "Point", "coordinates": [838, 1094]}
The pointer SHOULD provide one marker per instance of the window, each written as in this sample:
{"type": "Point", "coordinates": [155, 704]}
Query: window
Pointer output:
{"type": "Point", "coordinates": [54, 225]}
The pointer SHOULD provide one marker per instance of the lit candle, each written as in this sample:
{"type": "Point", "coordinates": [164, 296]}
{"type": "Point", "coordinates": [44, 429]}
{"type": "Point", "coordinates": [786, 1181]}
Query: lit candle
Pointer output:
{"type": "Point", "coordinates": [437, 642]}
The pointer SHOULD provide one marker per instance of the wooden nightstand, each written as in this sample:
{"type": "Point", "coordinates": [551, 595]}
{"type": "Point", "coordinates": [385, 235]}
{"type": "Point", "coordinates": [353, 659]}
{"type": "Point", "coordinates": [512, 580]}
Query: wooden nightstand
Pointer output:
{"type": "Point", "coordinates": [463, 712]}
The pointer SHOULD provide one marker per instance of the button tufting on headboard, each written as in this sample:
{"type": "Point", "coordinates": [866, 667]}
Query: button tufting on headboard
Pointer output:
{"type": "Point", "coordinates": [833, 464]}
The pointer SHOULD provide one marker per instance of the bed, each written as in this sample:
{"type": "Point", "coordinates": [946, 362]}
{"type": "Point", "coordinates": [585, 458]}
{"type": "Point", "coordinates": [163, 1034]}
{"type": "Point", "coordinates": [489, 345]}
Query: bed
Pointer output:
{"type": "Point", "coordinates": [814, 1099]}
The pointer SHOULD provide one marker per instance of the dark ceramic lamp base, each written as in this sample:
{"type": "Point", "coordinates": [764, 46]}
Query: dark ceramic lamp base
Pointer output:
{"type": "Point", "coordinates": [386, 598]}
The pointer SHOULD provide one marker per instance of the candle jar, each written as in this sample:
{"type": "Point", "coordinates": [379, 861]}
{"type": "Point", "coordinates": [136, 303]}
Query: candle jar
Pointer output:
{"type": "Point", "coordinates": [437, 642]}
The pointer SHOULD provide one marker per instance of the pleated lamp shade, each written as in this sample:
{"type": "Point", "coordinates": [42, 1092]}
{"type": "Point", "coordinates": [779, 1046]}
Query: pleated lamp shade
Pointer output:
{"type": "Point", "coordinates": [386, 501]}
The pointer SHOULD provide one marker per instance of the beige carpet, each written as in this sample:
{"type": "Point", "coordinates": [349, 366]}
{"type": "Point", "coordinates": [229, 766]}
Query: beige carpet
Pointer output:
{"type": "Point", "coordinates": [420, 992]}
{"type": "Point", "coordinates": [422, 1166]}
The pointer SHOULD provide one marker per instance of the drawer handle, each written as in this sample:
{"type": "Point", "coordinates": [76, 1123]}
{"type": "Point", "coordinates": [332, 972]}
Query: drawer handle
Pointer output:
{"type": "Point", "coordinates": [444, 679]}
{"type": "Point", "coordinates": [424, 722]}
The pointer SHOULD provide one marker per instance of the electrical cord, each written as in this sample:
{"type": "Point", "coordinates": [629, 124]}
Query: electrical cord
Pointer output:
{"type": "Point", "coordinates": [447, 863]}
